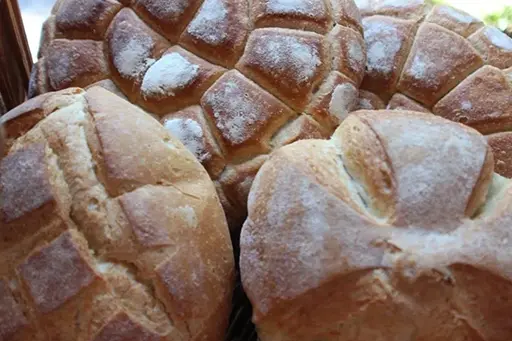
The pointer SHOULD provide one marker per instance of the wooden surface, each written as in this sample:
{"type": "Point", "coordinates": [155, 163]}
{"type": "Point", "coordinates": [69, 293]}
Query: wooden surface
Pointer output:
{"type": "Point", "coordinates": [15, 58]}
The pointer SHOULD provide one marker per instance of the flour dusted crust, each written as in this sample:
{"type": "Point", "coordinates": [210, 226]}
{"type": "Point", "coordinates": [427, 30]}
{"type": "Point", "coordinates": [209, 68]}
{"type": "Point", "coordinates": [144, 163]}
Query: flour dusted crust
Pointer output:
{"type": "Point", "coordinates": [395, 228]}
{"type": "Point", "coordinates": [248, 70]}
{"type": "Point", "coordinates": [107, 235]}
{"type": "Point", "coordinates": [438, 59]}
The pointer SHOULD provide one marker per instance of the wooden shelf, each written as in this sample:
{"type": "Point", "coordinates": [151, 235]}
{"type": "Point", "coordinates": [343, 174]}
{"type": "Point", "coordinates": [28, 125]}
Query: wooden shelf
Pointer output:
{"type": "Point", "coordinates": [15, 57]}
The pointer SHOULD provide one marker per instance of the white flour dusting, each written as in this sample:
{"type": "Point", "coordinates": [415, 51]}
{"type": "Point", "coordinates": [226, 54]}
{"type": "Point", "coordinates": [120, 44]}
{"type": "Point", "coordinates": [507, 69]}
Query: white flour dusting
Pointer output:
{"type": "Point", "coordinates": [362, 4]}
{"type": "Point", "coordinates": [210, 23]}
{"type": "Point", "coordinates": [165, 9]}
{"type": "Point", "coordinates": [287, 54]}
{"type": "Point", "coordinates": [397, 3]}
{"type": "Point", "coordinates": [134, 57]}
{"type": "Point", "coordinates": [236, 110]}
{"type": "Point", "coordinates": [290, 190]}
{"type": "Point", "coordinates": [355, 55]}
{"type": "Point", "coordinates": [460, 16]}
{"type": "Point", "coordinates": [416, 150]}
{"type": "Point", "coordinates": [364, 103]}
{"type": "Point", "coordinates": [190, 133]}
{"type": "Point", "coordinates": [466, 105]}
{"type": "Point", "coordinates": [311, 8]}
{"type": "Point", "coordinates": [498, 38]}
{"type": "Point", "coordinates": [383, 44]}
{"type": "Point", "coordinates": [419, 67]}
{"type": "Point", "coordinates": [172, 72]}
{"type": "Point", "coordinates": [343, 101]}
{"type": "Point", "coordinates": [104, 267]}
{"type": "Point", "coordinates": [188, 214]}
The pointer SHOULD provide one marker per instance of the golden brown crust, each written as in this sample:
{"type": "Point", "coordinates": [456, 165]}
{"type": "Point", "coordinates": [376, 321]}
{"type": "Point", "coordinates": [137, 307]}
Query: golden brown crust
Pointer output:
{"type": "Point", "coordinates": [87, 19]}
{"type": "Point", "coordinates": [25, 184]}
{"type": "Point", "coordinates": [306, 15]}
{"type": "Point", "coordinates": [369, 101]}
{"type": "Point", "coordinates": [38, 83]}
{"type": "Point", "coordinates": [167, 17]}
{"type": "Point", "coordinates": [501, 145]}
{"type": "Point", "coordinates": [348, 51]}
{"type": "Point", "coordinates": [303, 128]}
{"type": "Point", "coordinates": [176, 81]}
{"type": "Point", "coordinates": [275, 56]}
{"type": "Point", "coordinates": [468, 82]}
{"type": "Point", "coordinates": [482, 101]}
{"type": "Point", "coordinates": [252, 67]}
{"type": "Point", "coordinates": [132, 47]}
{"type": "Point", "coordinates": [334, 100]}
{"type": "Point", "coordinates": [321, 261]}
{"type": "Point", "coordinates": [75, 63]}
{"type": "Point", "coordinates": [108, 85]}
{"type": "Point", "coordinates": [10, 324]}
{"type": "Point", "coordinates": [48, 33]}
{"type": "Point", "coordinates": [235, 183]}
{"type": "Point", "coordinates": [365, 160]}
{"type": "Point", "coordinates": [89, 220]}
{"type": "Point", "coordinates": [191, 128]}
{"type": "Point", "coordinates": [346, 13]}
{"type": "Point", "coordinates": [219, 39]}
{"type": "Point", "coordinates": [494, 46]}
{"type": "Point", "coordinates": [412, 9]}
{"type": "Point", "coordinates": [245, 116]}
{"type": "Point", "coordinates": [24, 117]}
{"type": "Point", "coordinates": [454, 20]}
{"type": "Point", "coordinates": [431, 69]}
{"type": "Point", "coordinates": [402, 102]}
{"type": "Point", "coordinates": [388, 41]}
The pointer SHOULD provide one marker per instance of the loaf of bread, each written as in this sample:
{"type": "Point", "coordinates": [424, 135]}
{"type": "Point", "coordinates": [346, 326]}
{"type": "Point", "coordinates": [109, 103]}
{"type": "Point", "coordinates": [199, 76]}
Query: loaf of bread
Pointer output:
{"type": "Point", "coordinates": [110, 229]}
{"type": "Point", "coordinates": [231, 79]}
{"type": "Point", "coordinates": [441, 60]}
{"type": "Point", "coordinates": [395, 229]}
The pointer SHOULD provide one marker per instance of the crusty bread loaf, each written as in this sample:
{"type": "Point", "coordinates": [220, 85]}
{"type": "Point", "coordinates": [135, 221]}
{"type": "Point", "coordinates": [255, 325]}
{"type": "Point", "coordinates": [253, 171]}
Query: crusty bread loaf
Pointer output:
{"type": "Point", "coordinates": [395, 229]}
{"type": "Point", "coordinates": [110, 229]}
{"type": "Point", "coordinates": [231, 78]}
{"type": "Point", "coordinates": [442, 60]}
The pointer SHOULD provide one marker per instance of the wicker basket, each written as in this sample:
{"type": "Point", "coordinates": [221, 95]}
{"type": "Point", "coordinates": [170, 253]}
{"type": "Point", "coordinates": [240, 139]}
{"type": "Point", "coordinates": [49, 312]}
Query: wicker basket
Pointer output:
{"type": "Point", "coordinates": [15, 58]}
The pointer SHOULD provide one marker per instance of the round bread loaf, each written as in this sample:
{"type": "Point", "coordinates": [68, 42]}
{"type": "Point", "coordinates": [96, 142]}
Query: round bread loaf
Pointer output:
{"type": "Point", "coordinates": [442, 60]}
{"type": "Point", "coordinates": [232, 79]}
{"type": "Point", "coordinates": [110, 229]}
{"type": "Point", "coordinates": [395, 229]}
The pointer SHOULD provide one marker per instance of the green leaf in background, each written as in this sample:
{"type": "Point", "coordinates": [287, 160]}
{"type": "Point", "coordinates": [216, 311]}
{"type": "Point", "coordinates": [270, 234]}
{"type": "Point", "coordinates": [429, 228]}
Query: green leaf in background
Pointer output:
{"type": "Point", "coordinates": [502, 19]}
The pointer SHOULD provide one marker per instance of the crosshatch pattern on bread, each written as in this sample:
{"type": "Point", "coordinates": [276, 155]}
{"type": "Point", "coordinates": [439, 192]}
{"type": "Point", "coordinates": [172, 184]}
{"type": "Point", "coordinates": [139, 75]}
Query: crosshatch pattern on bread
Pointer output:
{"type": "Point", "coordinates": [381, 234]}
{"type": "Point", "coordinates": [232, 79]}
{"type": "Point", "coordinates": [110, 229]}
{"type": "Point", "coordinates": [441, 60]}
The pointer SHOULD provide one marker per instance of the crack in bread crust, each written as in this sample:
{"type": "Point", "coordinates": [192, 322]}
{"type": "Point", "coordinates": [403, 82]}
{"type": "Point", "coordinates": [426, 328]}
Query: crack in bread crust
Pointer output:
{"type": "Point", "coordinates": [98, 250]}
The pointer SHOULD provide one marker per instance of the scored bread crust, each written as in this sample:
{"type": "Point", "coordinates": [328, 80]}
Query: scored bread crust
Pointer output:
{"type": "Point", "coordinates": [395, 229]}
{"type": "Point", "coordinates": [440, 59]}
{"type": "Point", "coordinates": [233, 79]}
{"type": "Point", "coordinates": [110, 229]}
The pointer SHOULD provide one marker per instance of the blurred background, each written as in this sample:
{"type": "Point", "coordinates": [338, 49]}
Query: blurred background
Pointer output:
{"type": "Point", "coordinates": [495, 12]}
